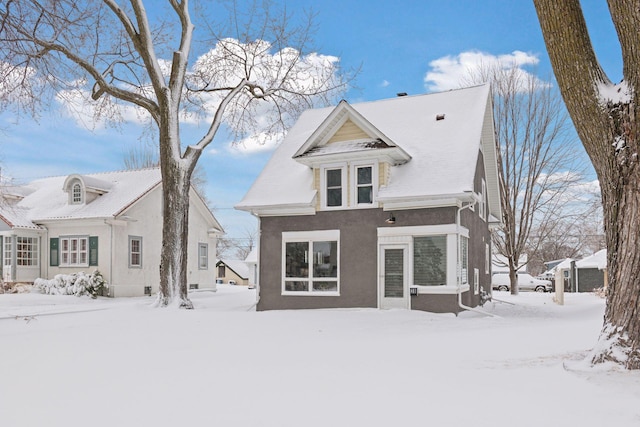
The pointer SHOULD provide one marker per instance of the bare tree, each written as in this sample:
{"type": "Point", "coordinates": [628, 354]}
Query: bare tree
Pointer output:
{"type": "Point", "coordinates": [146, 156]}
{"type": "Point", "coordinates": [536, 168]}
{"type": "Point", "coordinates": [237, 247]}
{"type": "Point", "coordinates": [606, 118]}
{"type": "Point", "coordinates": [256, 79]}
{"type": "Point", "coordinates": [246, 243]}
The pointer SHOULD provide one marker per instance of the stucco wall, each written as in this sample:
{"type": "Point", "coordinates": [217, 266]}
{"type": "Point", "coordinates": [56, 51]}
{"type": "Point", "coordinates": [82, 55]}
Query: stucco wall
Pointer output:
{"type": "Point", "coordinates": [358, 254]}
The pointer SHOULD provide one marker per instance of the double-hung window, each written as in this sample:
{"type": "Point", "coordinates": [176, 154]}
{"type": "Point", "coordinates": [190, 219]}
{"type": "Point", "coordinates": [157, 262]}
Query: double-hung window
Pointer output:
{"type": "Point", "coordinates": [311, 263]}
{"type": "Point", "coordinates": [333, 179]}
{"type": "Point", "coordinates": [364, 185]}
{"type": "Point", "coordinates": [135, 252]}
{"type": "Point", "coordinates": [74, 251]}
{"type": "Point", "coordinates": [203, 256]}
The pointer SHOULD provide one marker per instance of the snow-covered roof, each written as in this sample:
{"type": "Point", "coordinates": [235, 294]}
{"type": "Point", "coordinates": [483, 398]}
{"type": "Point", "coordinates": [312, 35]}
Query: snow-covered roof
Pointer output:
{"type": "Point", "coordinates": [439, 136]}
{"type": "Point", "coordinates": [238, 266]}
{"type": "Point", "coordinates": [252, 258]}
{"type": "Point", "coordinates": [597, 260]}
{"type": "Point", "coordinates": [563, 265]}
{"type": "Point", "coordinates": [49, 201]}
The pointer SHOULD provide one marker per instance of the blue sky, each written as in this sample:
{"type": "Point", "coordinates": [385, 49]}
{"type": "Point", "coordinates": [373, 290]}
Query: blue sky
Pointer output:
{"type": "Point", "coordinates": [394, 44]}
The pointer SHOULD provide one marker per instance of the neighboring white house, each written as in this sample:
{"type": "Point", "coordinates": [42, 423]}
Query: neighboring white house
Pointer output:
{"type": "Point", "coordinates": [110, 221]}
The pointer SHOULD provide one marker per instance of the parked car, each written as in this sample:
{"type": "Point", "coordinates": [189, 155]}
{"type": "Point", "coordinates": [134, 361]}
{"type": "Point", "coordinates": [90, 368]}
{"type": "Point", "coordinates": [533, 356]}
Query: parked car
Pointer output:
{"type": "Point", "coordinates": [526, 282]}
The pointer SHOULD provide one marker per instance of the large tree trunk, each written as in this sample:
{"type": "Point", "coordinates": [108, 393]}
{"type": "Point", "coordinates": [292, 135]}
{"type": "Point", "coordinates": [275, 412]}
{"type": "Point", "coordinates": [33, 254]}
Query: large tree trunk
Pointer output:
{"type": "Point", "coordinates": [176, 181]}
{"type": "Point", "coordinates": [175, 233]}
{"type": "Point", "coordinates": [605, 117]}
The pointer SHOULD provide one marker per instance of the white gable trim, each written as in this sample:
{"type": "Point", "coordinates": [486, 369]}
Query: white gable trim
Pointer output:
{"type": "Point", "coordinates": [489, 154]}
{"type": "Point", "coordinates": [335, 120]}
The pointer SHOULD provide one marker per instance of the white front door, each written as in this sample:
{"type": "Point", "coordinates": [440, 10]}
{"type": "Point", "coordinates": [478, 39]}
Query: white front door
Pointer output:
{"type": "Point", "coordinates": [392, 287]}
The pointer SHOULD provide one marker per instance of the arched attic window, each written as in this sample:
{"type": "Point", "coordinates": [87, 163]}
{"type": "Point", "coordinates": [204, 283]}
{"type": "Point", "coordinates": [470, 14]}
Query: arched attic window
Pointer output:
{"type": "Point", "coordinates": [83, 189]}
{"type": "Point", "coordinates": [74, 186]}
{"type": "Point", "coordinates": [76, 193]}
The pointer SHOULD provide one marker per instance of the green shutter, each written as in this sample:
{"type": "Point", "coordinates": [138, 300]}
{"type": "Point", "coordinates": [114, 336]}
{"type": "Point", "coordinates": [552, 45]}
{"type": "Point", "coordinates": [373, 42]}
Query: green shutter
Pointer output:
{"type": "Point", "coordinates": [54, 260]}
{"type": "Point", "coordinates": [93, 250]}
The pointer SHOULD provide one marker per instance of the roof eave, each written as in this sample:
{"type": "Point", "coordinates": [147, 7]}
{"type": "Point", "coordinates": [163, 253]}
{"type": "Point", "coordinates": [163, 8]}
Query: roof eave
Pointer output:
{"type": "Point", "coordinates": [393, 155]}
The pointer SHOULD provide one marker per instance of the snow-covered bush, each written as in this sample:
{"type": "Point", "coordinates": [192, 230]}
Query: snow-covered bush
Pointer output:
{"type": "Point", "coordinates": [77, 284]}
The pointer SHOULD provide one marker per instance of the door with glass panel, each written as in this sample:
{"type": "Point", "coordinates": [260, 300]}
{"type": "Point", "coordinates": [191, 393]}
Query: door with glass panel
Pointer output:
{"type": "Point", "coordinates": [393, 289]}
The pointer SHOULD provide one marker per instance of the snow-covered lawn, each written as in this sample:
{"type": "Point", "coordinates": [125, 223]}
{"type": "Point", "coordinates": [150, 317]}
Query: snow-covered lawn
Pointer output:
{"type": "Point", "coordinates": [69, 361]}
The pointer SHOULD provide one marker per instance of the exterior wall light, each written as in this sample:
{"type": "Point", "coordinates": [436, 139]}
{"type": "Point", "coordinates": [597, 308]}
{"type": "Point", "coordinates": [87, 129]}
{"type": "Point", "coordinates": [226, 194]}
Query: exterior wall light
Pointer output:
{"type": "Point", "coordinates": [391, 219]}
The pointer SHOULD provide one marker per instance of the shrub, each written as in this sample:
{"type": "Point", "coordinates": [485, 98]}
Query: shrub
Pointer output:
{"type": "Point", "coordinates": [77, 284]}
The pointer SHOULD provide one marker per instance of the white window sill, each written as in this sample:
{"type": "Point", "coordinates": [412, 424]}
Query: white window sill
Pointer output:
{"type": "Point", "coordinates": [310, 294]}
{"type": "Point", "coordinates": [442, 290]}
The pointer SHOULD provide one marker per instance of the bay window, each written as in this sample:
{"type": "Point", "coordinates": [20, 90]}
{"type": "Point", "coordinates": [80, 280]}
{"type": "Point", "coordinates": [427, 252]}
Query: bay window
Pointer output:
{"type": "Point", "coordinates": [430, 260]}
{"type": "Point", "coordinates": [464, 259]}
{"type": "Point", "coordinates": [27, 251]}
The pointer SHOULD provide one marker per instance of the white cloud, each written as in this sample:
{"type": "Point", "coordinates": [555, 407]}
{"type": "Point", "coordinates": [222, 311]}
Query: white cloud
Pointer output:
{"type": "Point", "coordinates": [449, 72]}
{"type": "Point", "coordinates": [256, 144]}
{"type": "Point", "coordinates": [316, 82]}
{"type": "Point", "coordinates": [385, 83]}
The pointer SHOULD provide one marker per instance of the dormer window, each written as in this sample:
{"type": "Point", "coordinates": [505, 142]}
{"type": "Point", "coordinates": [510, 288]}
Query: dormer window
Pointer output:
{"type": "Point", "coordinates": [83, 189]}
{"type": "Point", "coordinates": [76, 193]}
{"type": "Point", "coordinates": [334, 189]}
{"type": "Point", "coordinates": [348, 185]}
{"type": "Point", "coordinates": [364, 185]}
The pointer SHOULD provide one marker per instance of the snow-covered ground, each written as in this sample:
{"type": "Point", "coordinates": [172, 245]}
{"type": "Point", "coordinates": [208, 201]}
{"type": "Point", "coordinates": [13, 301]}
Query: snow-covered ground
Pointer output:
{"type": "Point", "coordinates": [69, 361]}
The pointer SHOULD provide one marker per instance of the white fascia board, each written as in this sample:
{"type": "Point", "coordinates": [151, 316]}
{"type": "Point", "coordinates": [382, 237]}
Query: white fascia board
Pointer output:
{"type": "Point", "coordinates": [392, 155]}
{"type": "Point", "coordinates": [280, 210]}
{"type": "Point", "coordinates": [443, 200]}
{"type": "Point", "coordinates": [73, 222]}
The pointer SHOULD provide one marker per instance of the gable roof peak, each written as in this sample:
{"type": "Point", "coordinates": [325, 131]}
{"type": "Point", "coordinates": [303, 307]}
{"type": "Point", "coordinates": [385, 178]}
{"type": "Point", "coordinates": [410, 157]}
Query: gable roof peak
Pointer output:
{"type": "Point", "coordinates": [369, 136]}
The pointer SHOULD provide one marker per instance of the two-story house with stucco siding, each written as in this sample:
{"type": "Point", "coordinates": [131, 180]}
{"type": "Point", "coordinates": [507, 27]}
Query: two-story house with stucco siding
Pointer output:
{"type": "Point", "coordinates": [384, 204]}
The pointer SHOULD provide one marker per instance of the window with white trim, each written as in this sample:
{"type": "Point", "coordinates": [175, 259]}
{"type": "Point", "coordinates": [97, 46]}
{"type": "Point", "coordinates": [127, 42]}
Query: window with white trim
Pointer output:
{"type": "Point", "coordinates": [334, 187]}
{"type": "Point", "coordinates": [364, 185]}
{"type": "Point", "coordinates": [7, 252]}
{"type": "Point", "coordinates": [464, 260]}
{"type": "Point", "coordinates": [482, 205]}
{"type": "Point", "coordinates": [476, 281]}
{"type": "Point", "coordinates": [487, 259]}
{"type": "Point", "coordinates": [203, 256]}
{"type": "Point", "coordinates": [135, 252]}
{"type": "Point", "coordinates": [76, 193]}
{"type": "Point", "coordinates": [310, 263]}
{"type": "Point", "coordinates": [73, 251]}
{"type": "Point", "coordinates": [27, 251]}
{"type": "Point", "coordinates": [430, 260]}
